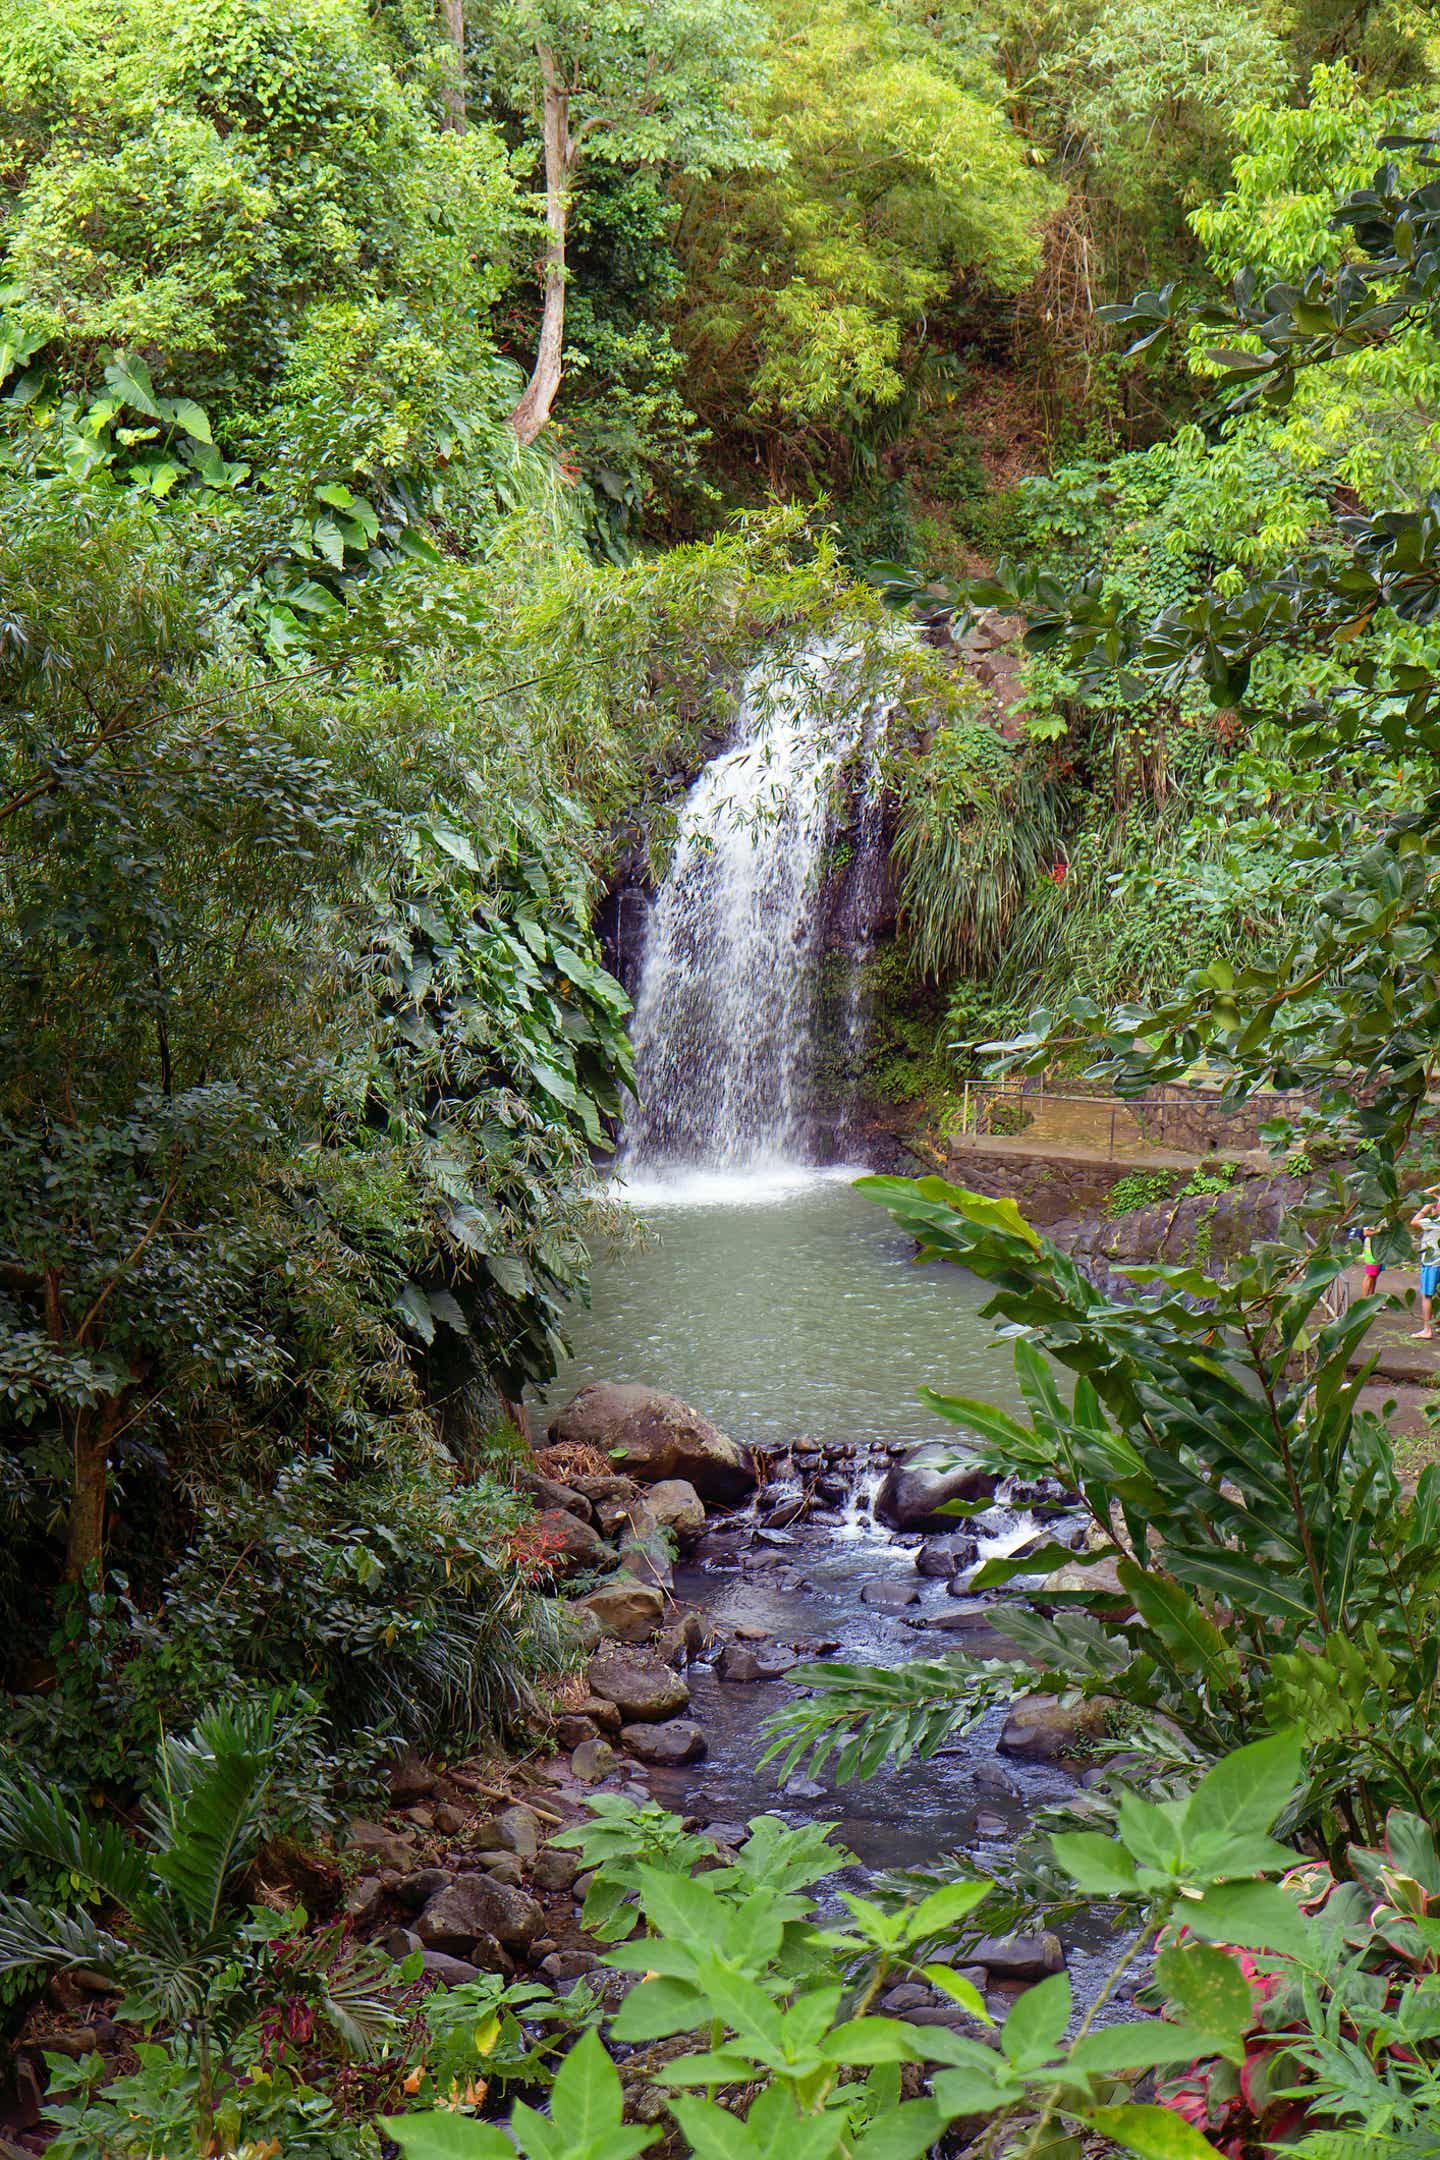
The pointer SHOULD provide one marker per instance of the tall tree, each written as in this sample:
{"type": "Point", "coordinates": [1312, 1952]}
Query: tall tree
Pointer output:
{"type": "Point", "coordinates": [654, 86]}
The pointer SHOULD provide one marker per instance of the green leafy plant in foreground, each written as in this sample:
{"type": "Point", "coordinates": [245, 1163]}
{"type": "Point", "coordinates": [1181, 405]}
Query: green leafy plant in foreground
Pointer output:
{"type": "Point", "coordinates": [188, 1961]}
{"type": "Point", "coordinates": [780, 2049]}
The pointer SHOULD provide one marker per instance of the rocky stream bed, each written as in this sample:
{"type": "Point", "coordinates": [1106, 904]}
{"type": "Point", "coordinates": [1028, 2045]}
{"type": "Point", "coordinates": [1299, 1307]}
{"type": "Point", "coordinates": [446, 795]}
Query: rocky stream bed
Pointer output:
{"type": "Point", "coordinates": [833, 1550]}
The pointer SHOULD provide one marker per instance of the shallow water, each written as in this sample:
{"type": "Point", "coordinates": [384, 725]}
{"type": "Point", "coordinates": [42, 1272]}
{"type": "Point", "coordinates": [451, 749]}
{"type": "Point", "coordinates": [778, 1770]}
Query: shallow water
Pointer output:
{"type": "Point", "coordinates": [782, 1302]}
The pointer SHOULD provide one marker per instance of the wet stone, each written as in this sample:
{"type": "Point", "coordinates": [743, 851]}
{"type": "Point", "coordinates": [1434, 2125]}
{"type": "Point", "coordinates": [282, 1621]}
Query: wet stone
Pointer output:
{"type": "Point", "coordinates": [888, 1596]}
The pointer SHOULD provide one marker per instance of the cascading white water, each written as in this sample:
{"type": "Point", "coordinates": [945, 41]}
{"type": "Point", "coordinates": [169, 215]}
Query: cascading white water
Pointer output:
{"type": "Point", "coordinates": [725, 1007]}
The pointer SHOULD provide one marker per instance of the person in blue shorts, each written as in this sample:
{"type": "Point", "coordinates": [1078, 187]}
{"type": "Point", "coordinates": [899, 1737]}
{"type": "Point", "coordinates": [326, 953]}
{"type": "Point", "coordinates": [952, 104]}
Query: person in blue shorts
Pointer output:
{"type": "Point", "coordinates": [1426, 1223]}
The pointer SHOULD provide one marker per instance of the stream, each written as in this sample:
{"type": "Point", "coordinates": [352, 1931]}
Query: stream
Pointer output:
{"type": "Point", "coordinates": [786, 1306]}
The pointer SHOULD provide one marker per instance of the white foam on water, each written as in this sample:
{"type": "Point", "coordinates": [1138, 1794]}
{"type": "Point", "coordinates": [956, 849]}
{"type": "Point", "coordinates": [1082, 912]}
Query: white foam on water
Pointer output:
{"type": "Point", "coordinates": [758, 1185]}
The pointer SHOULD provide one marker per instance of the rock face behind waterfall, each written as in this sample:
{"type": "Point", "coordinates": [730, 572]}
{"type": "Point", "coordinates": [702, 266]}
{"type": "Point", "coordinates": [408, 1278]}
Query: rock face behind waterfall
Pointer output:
{"type": "Point", "coordinates": [655, 1437]}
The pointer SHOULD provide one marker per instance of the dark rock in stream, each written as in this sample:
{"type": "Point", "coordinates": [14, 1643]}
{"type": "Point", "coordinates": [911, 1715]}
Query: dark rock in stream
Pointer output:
{"type": "Point", "coordinates": [915, 1489]}
{"type": "Point", "coordinates": [679, 1741]}
{"type": "Point", "coordinates": [940, 1558]}
{"type": "Point", "coordinates": [754, 1661]}
{"type": "Point", "coordinates": [888, 1596]}
{"type": "Point", "coordinates": [1019, 1957]}
{"type": "Point", "coordinates": [723, 1548]}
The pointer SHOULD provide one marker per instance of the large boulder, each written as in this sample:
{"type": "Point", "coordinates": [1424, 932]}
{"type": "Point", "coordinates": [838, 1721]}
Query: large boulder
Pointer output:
{"type": "Point", "coordinates": [1043, 1729]}
{"type": "Point", "coordinates": [473, 1910]}
{"type": "Point", "coordinates": [917, 1485]}
{"type": "Point", "coordinates": [655, 1437]}
{"type": "Point", "coordinates": [640, 1684]}
{"type": "Point", "coordinates": [629, 1610]}
{"type": "Point", "coordinates": [679, 1741]}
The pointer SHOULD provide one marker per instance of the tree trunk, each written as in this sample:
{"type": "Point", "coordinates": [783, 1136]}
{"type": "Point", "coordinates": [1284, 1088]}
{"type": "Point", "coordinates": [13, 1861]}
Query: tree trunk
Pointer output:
{"type": "Point", "coordinates": [85, 1539]}
{"type": "Point", "coordinates": [533, 410]}
{"type": "Point", "coordinates": [452, 13]}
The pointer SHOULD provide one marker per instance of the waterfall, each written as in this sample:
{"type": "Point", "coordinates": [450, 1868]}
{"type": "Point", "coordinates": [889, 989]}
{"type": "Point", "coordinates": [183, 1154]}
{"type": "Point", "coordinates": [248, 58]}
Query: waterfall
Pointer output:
{"type": "Point", "coordinates": [725, 1006]}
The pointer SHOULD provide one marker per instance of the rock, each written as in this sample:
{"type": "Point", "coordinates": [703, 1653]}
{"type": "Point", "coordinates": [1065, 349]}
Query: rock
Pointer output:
{"type": "Point", "coordinates": [832, 1491]}
{"type": "Point", "coordinates": [627, 1611]}
{"type": "Point", "coordinates": [363, 1903]}
{"type": "Point", "coordinates": [657, 1438]}
{"type": "Point", "coordinates": [980, 1639]}
{"type": "Point", "coordinates": [759, 1661]}
{"type": "Point", "coordinates": [1041, 1729]}
{"type": "Point", "coordinates": [585, 1627]}
{"type": "Point", "coordinates": [569, 1964]}
{"type": "Point", "coordinates": [988, 1825]}
{"type": "Point", "coordinates": [448, 1971]}
{"type": "Point", "coordinates": [723, 1548]}
{"type": "Point", "coordinates": [1019, 1957]}
{"type": "Point", "coordinates": [602, 1713]}
{"type": "Point", "coordinates": [74, 2040]}
{"type": "Point", "coordinates": [908, 1996]}
{"type": "Point", "coordinates": [422, 1817]}
{"type": "Point", "coordinates": [418, 1889]}
{"type": "Point", "coordinates": [608, 1485]}
{"type": "Point", "coordinates": [628, 1513]}
{"type": "Point", "coordinates": [518, 1831]}
{"type": "Point", "coordinates": [915, 1488]}
{"type": "Point", "coordinates": [677, 1507]}
{"type": "Point", "coordinates": [648, 1562]}
{"type": "Point", "coordinates": [571, 1729]}
{"type": "Point", "coordinates": [1099, 1577]}
{"type": "Point", "coordinates": [639, 1683]}
{"type": "Point", "coordinates": [574, 1548]}
{"type": "Point", "coordinates": [387, 1848]}
{"type": "Point", "coordinates": [684, 1639]}
{"type": "Point", "coordinates": [410, 1780]}
{"type": "Point", "coordinates": [551, 1494]}
{"type": "Point", "coordinates": [803, 1788]}
{"type": "Point", "coordinates": [450, 1820]}
{"type": "Point", "coordinates": [995, 1782]}
{"type": "Point", "coordinates": [592, 1760]}
{"type": "Point", "coordinates": [888, 1596]}
{"type": "Point", "coordinates": [784, 1512]}
{"type": "Point", "coordinates": [768, 1536]}
{"type": "Point", "coordinates": [940, 1558]}
{"type": "Point", "coordinates": [472, 1908]}
{"type": "Point", "coordinates": [555, 1869]}
{"type": "Point", "coordinates": [679, 1741]}
{"type": "Point", "coordinates": [402, 1942]}
{"type": "Point", "coordinates": [502, 1867]}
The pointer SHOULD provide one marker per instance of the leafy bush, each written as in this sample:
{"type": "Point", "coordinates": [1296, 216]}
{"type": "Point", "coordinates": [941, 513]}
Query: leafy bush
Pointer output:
{"type": "Point", "coordinates": [188, 1960]}
{"type": "Point", "coordinates": [775, 2002]}
{"type": "Point", "coordinates": [1137, 1189]}
{"type": "Point", "coordinates": [1272, 1569]}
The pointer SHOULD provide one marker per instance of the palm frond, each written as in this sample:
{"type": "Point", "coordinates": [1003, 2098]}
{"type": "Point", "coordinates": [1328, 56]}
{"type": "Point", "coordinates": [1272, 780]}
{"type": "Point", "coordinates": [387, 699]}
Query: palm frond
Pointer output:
{"type": "Point", "coordinates": [36, 1936]}
{"type": "Point", "coordinates": [207, 1814]}
{"type": "Point", "coordinates": [39, 1821]}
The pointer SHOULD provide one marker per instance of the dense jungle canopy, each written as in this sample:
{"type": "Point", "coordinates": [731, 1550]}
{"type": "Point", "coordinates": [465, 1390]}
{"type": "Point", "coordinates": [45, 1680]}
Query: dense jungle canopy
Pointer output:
{"type": "Point", "coordinates": [415, 416]}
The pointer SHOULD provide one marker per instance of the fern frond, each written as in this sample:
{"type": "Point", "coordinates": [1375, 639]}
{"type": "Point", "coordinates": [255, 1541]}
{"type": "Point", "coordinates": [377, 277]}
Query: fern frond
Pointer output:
{"type": "Point", "coordinates": [207, 1818]}
{"type": "Point", "coordinates": [39, 1936]}
{"type": "Point", "coordinates": [39, 1821]}
{"type": "Point", "coordinates": [865, 1715]}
